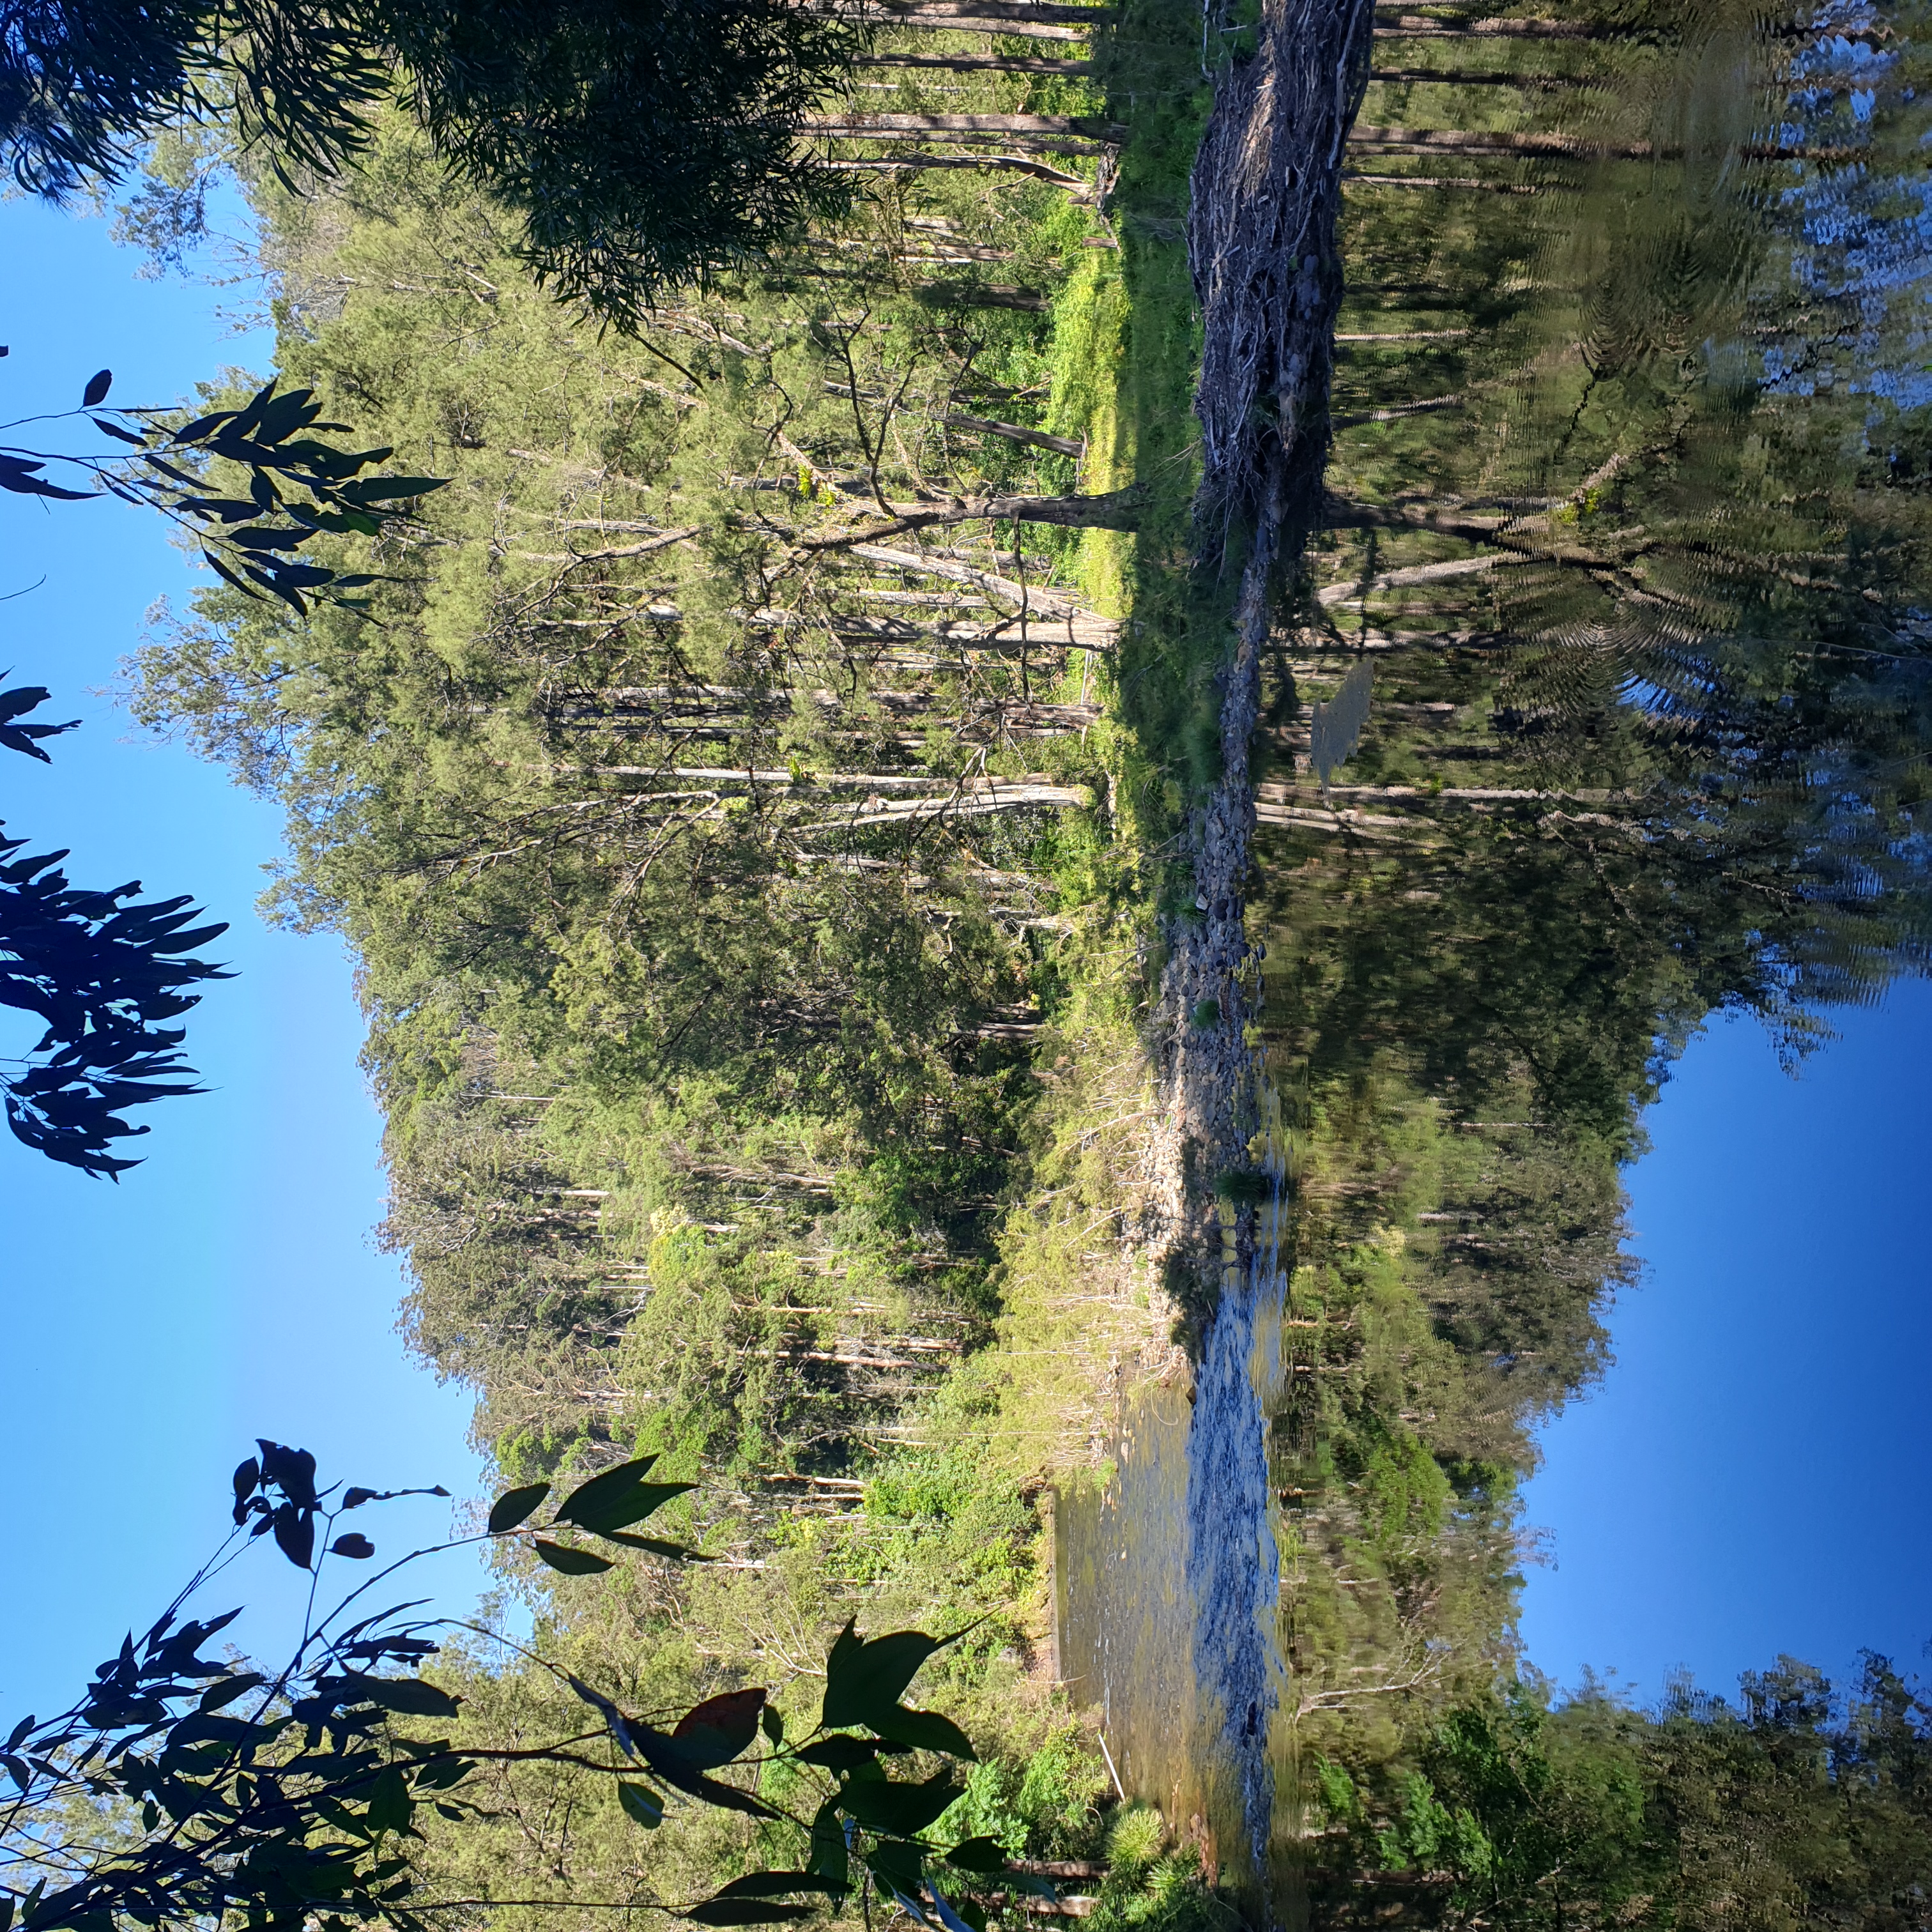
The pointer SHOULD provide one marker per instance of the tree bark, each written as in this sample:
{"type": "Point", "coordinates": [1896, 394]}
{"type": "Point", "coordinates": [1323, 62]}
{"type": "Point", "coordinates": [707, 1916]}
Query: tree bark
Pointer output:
{"type": "Point", "coordinates": [1261, 244]}
{"type": "Point", "coordinates": [976, 63]}
{"type": "Point", "coordinates": [904, 127]}
{"type": "Point", "coordinates": [1391, 24]}
{"type": "Point", "coordinates": [1115, 510]}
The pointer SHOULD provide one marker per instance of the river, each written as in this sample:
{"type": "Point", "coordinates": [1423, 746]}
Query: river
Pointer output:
{"type": "Point", "coordinates": [1602, 708]}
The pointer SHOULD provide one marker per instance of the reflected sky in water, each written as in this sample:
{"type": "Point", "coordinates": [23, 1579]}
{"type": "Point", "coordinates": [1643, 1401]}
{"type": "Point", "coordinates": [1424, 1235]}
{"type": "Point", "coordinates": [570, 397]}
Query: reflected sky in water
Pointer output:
{"type": "Point", "coordinates": [1752, 1475]}
{"type": "Point", "coordinates": [1629, 528]}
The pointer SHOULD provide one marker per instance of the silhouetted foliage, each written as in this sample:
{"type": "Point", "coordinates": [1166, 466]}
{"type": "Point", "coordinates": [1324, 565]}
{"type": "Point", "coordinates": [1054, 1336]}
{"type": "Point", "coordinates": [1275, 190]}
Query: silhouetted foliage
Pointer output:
{"type": "Point", "coordinates": [297, 486]}
{"type": "Point", "coordinates": [640, 144]}
{"type": "Point", "coordinates": [103, 971]}
{"type": "Point", "coordinates": [182, 1789]}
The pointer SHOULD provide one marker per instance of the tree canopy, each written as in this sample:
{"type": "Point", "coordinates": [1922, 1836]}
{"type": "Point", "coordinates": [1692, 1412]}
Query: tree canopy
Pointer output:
{"type": "Point", "coordinates": [639, 145]}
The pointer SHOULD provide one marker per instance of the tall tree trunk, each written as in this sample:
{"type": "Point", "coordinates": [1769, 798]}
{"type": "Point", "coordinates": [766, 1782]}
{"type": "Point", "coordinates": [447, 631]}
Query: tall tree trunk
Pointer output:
{"type": "Point", "coordinates": [1025, 23]}
{"type": "Point", "coordinates": [1011, 164]}
{"type": "Point", "coordinates": [1114, 510]}
{"type": "Point", "coordinates": [1462, 77]}
{"type": "Point", "coordinates": [914, 127]}
{"type": "Point", "coordinates": [1261, 244]}
{"type": "Point", "coordinates": [1063, 445]}
{"type": "Point", "coordinates": [1007, 12]}
{"type": "Point", "coordinates": [1392, 24]}
{"type": "Point", "coordinates": [986, 294]}
{"type": "Point", "coordinates": [976, 63]}
{"type": "Point", "coordinates": [1436, 140]}
{"type": "Point", "coordinates": [1022, 29]}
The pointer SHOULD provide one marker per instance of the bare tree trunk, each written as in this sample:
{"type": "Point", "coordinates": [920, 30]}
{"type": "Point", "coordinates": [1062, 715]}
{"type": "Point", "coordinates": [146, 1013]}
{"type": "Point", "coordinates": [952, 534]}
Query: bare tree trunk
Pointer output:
{"type": "Point", "coordinates": [1115, 510]}
{"type": "Point", "coordinates": [1261, 244]}
{"type": "Point", "coordinates": [1023, 29]}
{"type": "Point", "coordinates": [979, 19]}
{"type": "Point", "coordinates": [987, 294]}
{"type": "Point", "coordinates": [1461, 77]}
{"type": "Point", "coordinates": [1436, 182]}
{"type": "Point", "coordinates": [1063, 445]}
{"type": "Point", "coordinates": [1354, 418]}
{"type": "Point", "coordinates": [1014, 164]}
{"type": "Point", "coordinates": [1392, 24]}
{"type": "Point", "coordinates": [995, 63]}
{"type": "Point", "coordinates": [1434, 140]}
{"type": "Point", "coordinates": [1007, 11]}
{"type": "Point", "coordinates": [919, 127]}
{"type": "Point", "coordinates": [1339, 513]}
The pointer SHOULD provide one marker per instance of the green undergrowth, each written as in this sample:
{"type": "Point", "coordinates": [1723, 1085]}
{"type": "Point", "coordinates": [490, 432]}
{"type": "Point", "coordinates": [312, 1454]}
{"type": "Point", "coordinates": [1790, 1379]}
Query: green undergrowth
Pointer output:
{"type": "Point", "coordinates": [796, 1152]}
{"type": "Point", "coordinates": [1149, 60]}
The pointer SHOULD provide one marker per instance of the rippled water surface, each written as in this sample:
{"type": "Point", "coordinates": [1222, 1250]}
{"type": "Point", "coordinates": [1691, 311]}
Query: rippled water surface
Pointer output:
{"type": "Point", "coordinates": [1626, 553]}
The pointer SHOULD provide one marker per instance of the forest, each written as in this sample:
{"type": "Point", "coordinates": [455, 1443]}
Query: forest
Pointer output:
{"type": "Point", "coordinates": [1045, 740]}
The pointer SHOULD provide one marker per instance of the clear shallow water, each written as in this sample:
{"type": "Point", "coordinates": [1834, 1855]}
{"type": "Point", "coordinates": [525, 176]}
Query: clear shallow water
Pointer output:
{"type": "Point", "coordinates": [1166, 1578]}
{"type": "Point", "coordinates": [1630, 527]}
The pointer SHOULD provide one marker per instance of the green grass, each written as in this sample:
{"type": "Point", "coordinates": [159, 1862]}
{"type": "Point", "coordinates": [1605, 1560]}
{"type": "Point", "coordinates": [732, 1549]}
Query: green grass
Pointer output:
{"type": "Point", "coordinates": [1147, 60]}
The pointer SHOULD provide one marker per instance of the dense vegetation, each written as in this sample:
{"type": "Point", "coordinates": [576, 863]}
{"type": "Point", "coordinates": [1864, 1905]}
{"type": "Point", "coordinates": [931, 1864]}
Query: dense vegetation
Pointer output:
{"type": "Point", "coordinates": [632, 147]}
{"type": "Point", "coordinates": [727, 796]}
{"type": "Point", "coordinates": [1796, 1806]}
{"type": "Point", "coordinates": [757, 789]}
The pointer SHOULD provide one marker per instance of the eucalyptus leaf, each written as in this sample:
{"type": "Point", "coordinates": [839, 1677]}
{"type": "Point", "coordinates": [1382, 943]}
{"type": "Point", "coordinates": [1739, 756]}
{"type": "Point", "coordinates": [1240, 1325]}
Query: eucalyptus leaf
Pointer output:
{"type": "Point", "coordinates": [409, 1696]}
{"type": "Point", "coordinates": [981, 1854]}
{"type": "Point", "coordinates": [775, 1884]}
{"type": "Point", "coordinates": [569, 1561]}
{"type": "Point", "coordinates": [746, 1911]}
{"type": "Point", "coordinates": [899, 1809]}
{"type": "Point", "coordinates": [516, 1506]}
{"type": "Point", "coordinates": [865, 1679]}
{"type": "Point", "coordinates": [641, 1803]}
{"type": "Point", "coordinates": [829, 1855]}
{"type": "Point", "coordinates": [924, 1730]}
{"type": "Point", "coordinates": [721, 1728]}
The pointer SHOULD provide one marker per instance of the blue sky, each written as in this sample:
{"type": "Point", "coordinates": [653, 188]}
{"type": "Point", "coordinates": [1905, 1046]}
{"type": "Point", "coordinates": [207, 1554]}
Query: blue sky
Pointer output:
{"type": "Point", "coordinates": [1754, 1475]}
{"type": "Point", "coordinates": [227, 1288]}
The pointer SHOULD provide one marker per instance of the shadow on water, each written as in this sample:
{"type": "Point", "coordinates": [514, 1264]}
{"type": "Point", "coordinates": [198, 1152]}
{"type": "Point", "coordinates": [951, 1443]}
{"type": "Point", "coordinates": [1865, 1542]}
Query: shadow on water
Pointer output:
{"type": "Point", "coordinates": [1625, 588]}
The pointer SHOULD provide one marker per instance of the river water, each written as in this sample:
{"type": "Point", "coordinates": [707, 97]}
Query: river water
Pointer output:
{"type": "Point", "coordinates": [1621, 627]}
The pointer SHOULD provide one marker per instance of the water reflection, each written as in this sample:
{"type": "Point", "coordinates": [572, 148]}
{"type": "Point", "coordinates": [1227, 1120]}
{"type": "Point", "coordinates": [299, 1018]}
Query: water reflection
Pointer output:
{"type": "Point", "coordinates": [1168, 1592]}
{"type": "Point", "coordinates": [1630, 514]}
